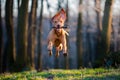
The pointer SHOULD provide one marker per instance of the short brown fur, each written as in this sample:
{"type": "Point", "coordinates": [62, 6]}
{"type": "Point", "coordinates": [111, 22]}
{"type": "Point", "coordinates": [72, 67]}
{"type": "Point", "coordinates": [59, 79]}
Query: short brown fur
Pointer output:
{"type": "Point", "coordinates": [57, 35]}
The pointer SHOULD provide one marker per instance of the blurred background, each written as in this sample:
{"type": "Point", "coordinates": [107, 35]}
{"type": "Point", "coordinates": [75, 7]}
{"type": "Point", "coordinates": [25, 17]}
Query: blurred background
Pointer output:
{"type": "Point", "coordinates": [93, 41]}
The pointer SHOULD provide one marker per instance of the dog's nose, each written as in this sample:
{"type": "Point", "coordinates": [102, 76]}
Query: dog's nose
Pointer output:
{"type": "Point", "coordinates": [58, 26]}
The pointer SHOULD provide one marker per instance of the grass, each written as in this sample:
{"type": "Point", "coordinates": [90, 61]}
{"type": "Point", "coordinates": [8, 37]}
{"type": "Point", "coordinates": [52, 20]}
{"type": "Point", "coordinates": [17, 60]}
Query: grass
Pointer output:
{"type": "Point", "coordinates": [60, 74]}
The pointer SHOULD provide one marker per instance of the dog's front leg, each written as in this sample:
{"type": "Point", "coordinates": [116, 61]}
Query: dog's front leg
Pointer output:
{"type": "Point", "coordinates": [50, 45]}
{"type": "Point", "coordinates": [64, 46]}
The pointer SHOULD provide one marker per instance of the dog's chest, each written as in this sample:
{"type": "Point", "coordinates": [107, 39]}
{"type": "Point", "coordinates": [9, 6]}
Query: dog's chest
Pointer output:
{"type": "Point", "coordinates": [58, 34]}
{"type": "Point", "coordinates": [57, 42]}
{"type": "Point", "coordinates": [58, 38]}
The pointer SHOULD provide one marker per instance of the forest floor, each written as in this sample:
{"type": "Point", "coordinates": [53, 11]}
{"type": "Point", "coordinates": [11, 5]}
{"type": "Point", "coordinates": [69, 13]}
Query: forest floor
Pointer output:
{"type": "Point", "coordinates": [60, 74]}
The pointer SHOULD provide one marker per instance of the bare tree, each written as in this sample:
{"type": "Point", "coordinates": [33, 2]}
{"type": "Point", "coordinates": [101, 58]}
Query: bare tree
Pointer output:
{"type": "Point", "coordinates": [106, 31]}
{"type": "Point", "coordinates": [79, 38]}
{"type": "Point", "coordinates": [59, 4]}
{"type": "Point", "coordinates": [1, 39]}
{"type": "Point", "coordinates": [50, 13]}
{"type": "Point", "coordinates": [119, 35]}
{"type": "Point", "coordinates": [18, 4]}
{"type": "Point", "coordinates": [32, 34]}
{"type": "Point", "coordinates": [22, 31]}
{"type": "Point", "coordinates": [67, 57]}
{"type": "Point", "coordinates": [10, 44]}
{"type": "Point", "coordinates": [39, 39]}
{"type": "Point", "coordinates": [98, 13]}
{"type": "Point", "coordinates": [99, 29]}
{"type": "Point", "coordinates": [107, 23]}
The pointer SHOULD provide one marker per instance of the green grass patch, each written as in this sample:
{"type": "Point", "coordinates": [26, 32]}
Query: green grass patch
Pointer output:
{"type": "Point", "coordinates": [60, 74]}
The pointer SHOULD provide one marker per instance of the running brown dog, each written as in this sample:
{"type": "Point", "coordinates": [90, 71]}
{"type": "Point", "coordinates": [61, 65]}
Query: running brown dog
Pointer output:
{"type": "Point", "coordinates": [57, 35]}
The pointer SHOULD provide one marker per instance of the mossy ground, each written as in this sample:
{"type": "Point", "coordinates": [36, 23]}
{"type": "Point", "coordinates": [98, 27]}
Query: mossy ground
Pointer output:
{"type": "Point", "coordinates": [60, 74]}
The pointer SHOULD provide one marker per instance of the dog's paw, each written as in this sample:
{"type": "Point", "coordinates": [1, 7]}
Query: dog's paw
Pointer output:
{"type": "Point", "coordinates": [50, 52]}
{"type": "Point", "coordinates": [57, 54]}
{"type": "Point", "coordinates": [65, 54]}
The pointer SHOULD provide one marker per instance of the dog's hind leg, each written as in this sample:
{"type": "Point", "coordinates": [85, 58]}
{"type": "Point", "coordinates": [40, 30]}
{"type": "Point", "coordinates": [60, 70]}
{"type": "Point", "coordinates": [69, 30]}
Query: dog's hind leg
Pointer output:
{"type": "Point", "coordinates": [57, 51]}
{"type": "Point", "coordinates": [50, 45]}
{"type": "Point", "coordinates": [50, 52]}
{"type": "Point", "coordinates": [60, 47]}
{"type": "Point", "coordinates": [64, 46]}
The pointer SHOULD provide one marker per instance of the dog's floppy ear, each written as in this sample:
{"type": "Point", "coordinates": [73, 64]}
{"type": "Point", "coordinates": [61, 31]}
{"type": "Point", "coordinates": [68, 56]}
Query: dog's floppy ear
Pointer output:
{"type": "Point", "coordinates": [55, 16]}
{"type": "Point", "coordinates": [63, 14]}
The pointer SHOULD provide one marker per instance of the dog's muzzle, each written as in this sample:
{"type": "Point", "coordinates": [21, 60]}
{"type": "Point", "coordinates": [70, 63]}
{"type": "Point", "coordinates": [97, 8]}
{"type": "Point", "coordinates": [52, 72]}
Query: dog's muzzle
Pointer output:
{"type": "Point", "coordinates": [58, 26]}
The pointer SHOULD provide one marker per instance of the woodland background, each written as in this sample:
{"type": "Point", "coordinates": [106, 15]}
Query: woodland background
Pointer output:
{"type": "Point", "coordinates": [93, 41]}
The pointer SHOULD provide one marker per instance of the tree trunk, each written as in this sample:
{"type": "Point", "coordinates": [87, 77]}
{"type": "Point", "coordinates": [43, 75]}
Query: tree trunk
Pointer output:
{"type": "Point", "coordinates": [119, 35]}
{"type": "Point", "coordinates": [106, 32]}
{"type": "Point", "coordinates": [59, 5]}
{"type": "Point", "coordinates": [32, 34]}
{"type": "Point", "coordinates": [39, 39]}
{"type": "Point", "coordinates": [67, 57]}
{"type": "Point", "coordinates": [50, 13]}
{"type": "Point", "coordinates": [79, 39]}
{"type": "Point", "coordinates": [10, 44]}
{"type": "Point", "coordinates": [98, 18]}
{"type": "Point", "coordinates": [1, 40]}
{"type": "Point", "coordinates": [99, 29]}
{"type": "Point", "coordinates": [18, 4]}
{"type": "Point", "coordinates": [107, 25]}
{"type": "Point", "coordinates": [22, 31]}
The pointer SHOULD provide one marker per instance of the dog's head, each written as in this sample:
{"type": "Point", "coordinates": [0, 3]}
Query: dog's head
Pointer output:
{"type": "Point", "coordinates": [59, 19]}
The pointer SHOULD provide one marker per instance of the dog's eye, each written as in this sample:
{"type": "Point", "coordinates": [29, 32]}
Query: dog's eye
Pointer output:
{"type": "Point", "coordinates": [61, 21]}
{"type": "Point", "coordinates": [55, 21]}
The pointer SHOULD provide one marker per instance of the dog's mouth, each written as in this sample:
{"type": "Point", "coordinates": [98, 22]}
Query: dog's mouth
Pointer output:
{"type": "Point", "coordinates": [58, 27]}
{"type": "Point", "coordinates": [58, 30]}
